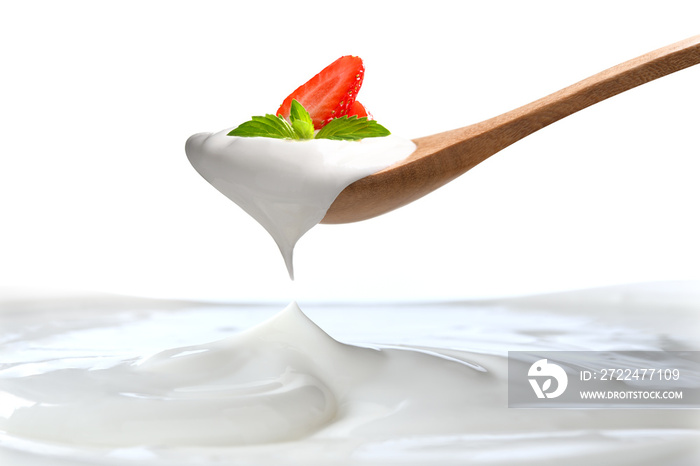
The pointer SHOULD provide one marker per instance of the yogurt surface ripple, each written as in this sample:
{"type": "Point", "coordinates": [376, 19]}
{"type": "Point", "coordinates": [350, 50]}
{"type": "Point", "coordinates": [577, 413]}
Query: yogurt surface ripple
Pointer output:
{"type": "Point", "coordinates": [423, 384]}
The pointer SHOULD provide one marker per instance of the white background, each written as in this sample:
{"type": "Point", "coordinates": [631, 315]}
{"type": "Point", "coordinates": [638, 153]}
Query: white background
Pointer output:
{"type": "Point", "coordinates": [98, 98]}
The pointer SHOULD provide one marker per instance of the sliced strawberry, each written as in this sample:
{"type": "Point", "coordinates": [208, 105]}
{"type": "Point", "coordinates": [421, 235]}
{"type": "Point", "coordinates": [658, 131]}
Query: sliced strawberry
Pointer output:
{"type": "Point", "coordinates": [358, 109]}
{"type": "Point", "coordinates": [329, 94]}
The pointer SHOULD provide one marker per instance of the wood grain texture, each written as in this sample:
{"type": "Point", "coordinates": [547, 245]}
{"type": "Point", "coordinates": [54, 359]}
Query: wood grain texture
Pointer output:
{"type": "Point", "coordinates": [442, 157]}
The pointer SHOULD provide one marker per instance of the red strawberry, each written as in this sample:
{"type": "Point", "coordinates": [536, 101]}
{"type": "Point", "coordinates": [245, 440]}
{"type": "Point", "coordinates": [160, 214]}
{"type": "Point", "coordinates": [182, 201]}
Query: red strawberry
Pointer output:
{"type": "Point", "coordinates": [358, 109]}
{"type": "Point", "coordinates": [329, 94]}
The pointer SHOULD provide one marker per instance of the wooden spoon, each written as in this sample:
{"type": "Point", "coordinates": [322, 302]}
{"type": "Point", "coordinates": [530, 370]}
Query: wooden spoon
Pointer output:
{"type": "Point", "coordinates": [442, 157]}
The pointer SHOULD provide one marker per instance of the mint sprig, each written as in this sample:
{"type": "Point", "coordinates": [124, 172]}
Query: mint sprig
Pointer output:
{"type": "Point", "coordinates": [352, 128]}
{"type": "Point", "coordinates": [302, 127]}
{"type": "Point", "coordinates": [269, 126]}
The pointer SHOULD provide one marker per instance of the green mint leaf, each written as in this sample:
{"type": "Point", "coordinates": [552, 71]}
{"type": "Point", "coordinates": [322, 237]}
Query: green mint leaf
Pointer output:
{"type": "Point", "coordinates": [303, 129]}
{"type": "Point", "coordinates": [298, 112]}
{"type": "Point", "coordinates": [269, 126]}
{"type": "Point", "coordinates": [352, 128]}
{"type": "Point", "coordinates": [301, 121]}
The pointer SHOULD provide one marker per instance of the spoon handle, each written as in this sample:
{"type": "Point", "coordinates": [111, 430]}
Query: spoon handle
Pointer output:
{"type": "Point", "coordinates": [442, 157]}
{"type": "Point", "coordinates": [473, 144]}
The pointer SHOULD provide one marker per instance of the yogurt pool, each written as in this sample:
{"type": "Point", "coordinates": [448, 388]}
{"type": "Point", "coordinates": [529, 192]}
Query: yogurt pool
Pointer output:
{"type": "Point", "coordinates": [104, 380]}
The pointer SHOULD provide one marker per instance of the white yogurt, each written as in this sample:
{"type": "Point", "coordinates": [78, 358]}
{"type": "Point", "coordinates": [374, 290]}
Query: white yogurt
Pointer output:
{"type": "Point", "coordinates": [287, 185]}
{"type": "Point", "coordinates": [283, 380]}
{"type": "Point", "coordinates": [137, 385]}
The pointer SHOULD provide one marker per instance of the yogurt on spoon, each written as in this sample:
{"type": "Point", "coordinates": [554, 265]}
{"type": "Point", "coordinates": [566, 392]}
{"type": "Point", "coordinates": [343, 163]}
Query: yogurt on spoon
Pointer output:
{"type": "Point", "coordinates": [285, 170]}
{"type": "Point", "coordinates": [288, 185]}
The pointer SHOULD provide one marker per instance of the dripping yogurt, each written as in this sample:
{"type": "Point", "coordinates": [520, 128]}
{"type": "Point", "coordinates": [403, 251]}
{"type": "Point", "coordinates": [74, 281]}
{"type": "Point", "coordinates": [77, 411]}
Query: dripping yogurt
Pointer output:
{"type": "Point", "coordinates": [288, 185]}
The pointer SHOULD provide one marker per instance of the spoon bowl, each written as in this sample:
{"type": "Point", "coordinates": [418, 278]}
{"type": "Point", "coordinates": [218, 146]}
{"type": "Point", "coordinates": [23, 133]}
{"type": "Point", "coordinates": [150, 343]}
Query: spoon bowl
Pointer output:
{"type": "Point", "coordinates": [440, 158]}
